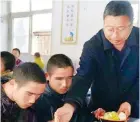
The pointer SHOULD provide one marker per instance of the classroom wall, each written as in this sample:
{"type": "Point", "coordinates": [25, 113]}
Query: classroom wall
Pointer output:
{"type": "Point", "coordinates": [90, 21]}
{"type": "Point", "coordinates": [3, 25]}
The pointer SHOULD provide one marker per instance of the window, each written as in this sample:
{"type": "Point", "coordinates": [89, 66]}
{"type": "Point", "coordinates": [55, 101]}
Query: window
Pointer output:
{"type": "Point", "coordinates": [41, 4]}
{"type": "Point", "coordinates": [31, 25]}
{"type": "Point", "coordinates": [41, 42]}
{"type": "Point", "coordinates": [20, 5]}
{"type": "Point", "coordinates": [136, 13]}
{"type": "Point", "coordinates": [41, 33]}
{"type": "Point", "coordinates": [42, 22]}
{"type": "Point", "coordinates": [21, 34]}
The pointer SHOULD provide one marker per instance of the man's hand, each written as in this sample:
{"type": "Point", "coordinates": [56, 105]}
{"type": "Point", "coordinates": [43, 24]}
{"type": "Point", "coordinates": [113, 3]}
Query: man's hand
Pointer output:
{"type": "Point", "coordinates": [99, 112]}
{"type": "Point", "coordinates": [126, 108]}
{"type": "Point", "coordinates": [64, 114]}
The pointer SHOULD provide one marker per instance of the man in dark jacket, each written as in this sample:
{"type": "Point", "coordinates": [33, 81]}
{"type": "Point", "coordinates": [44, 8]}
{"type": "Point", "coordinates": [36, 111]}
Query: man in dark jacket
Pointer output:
{"type": "Point", "coordinates": [21, 91]}
{"type": "Point", "coordinates": [59, 75]}
{"type": "Point", "coordinates": [110, 62]}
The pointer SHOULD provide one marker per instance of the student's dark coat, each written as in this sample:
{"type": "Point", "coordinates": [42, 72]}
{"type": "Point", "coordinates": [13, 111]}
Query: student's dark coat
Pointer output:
{"type": "Point", "coordinates": [10, 112]}
{"type": "Point", "coordinates": [50, 101]}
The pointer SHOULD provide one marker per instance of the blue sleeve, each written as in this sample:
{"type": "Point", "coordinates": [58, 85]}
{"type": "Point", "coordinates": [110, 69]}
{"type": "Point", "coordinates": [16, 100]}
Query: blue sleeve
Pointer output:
{"type": "Point", "coordinates": [85, 74]}
{"type": "Point", "coordinates": [133, 99]}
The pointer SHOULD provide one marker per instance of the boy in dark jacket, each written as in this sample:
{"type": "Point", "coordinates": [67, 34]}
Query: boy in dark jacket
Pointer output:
{"type": "Point", "coordinates": [59, 74]}
{"type": "Point", "coordinates": [21, 91]}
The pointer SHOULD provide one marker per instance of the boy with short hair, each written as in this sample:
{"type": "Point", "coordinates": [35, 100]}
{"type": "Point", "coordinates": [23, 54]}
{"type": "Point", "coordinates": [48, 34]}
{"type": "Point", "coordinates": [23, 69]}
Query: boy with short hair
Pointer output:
{"type": "Point", "coordinates": [7, 62]}
{"type": "Point", "coordinates": [59, 75]}
{"type": "Point", "coordinates": [16, 53]}
{"type": "Point", "coordinates": [21, 91]}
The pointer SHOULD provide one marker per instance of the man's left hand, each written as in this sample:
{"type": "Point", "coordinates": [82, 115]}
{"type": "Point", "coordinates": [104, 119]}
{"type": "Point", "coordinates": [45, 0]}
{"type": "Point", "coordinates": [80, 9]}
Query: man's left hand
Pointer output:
{"type": "Point", "coordinates": [126, 108]}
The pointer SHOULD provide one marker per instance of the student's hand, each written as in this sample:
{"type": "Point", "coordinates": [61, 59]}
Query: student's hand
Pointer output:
{"type": "Point", "coordinates": [125, 108]}
{"type": "Point", "coordinates": [99, 112]}
{"type": "Point", "coordinates": [64, 114]}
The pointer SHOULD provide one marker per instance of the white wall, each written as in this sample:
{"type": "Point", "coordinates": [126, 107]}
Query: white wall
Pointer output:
{"type": "Point", "coordinates": [0, 26]}
{"type": "Point", "coordinates": [3, 26]}
{"type": "Point", "coordinates": [90, 21]}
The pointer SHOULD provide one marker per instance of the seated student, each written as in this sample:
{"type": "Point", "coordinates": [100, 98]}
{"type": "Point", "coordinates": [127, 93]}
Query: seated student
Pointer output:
{"type": "Point", "coordinates": [38, 60]}
{"type": "Point", "coordinates": [21, 91]}
{"type": "Point", "coordinates": [7, 62]}
{"type": "Point", "coordinates": [16, 53]}
{"type": "Point", "coordinates": [59, 75]}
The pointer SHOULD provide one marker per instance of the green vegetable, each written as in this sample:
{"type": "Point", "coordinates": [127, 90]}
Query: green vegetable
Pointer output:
{"type": "Point", "coordinates": [111, 116]}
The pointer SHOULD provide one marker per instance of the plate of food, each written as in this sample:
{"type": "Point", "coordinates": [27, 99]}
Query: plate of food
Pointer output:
{"type": "Point", "coordinates": [113, 117]}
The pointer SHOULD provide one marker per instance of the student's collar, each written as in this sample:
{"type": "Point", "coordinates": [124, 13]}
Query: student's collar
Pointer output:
{"type": "Point", "coordinates": [7, 72]}
{"type": "Point", "coordinates": [50, 91]}
{"type": "Point", "coordinates": [6, 76]}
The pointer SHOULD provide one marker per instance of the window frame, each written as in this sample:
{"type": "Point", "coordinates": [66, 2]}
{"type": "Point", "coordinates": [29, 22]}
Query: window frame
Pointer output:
{"type": "Point", "coordinates": [138, 3]}
{"type": "Point", "coordinates": [29, 14]}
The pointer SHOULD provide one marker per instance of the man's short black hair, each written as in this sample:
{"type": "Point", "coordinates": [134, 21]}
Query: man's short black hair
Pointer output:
{"type": "Point", "coordinates": [8, 60]}
{"type": "Point", "coordinates": [119, 8]}
{"type": "Point", "coordinates": [17, 50]}
{"type": "Point", "coordinates": [59, 61]}
{"type": "Point", "coordinates": [29, 72]}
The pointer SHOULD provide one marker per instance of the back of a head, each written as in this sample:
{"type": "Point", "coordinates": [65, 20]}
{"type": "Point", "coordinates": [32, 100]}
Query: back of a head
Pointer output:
{"type": "Point", "coordinates": [59, 61]}
{"type": "Point", "coordinates": [119, 8]}
{"type": "Point", "coordinates": [37, 54]}
{"type": "Point", "coordinates": [29, 72]}
{"type": "Point", "coordinates": [8, 59]}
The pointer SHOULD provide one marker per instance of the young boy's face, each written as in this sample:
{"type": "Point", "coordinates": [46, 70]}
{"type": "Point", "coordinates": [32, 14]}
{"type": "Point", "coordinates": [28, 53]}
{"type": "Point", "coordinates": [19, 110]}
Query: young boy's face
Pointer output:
{"type": "Point", "coordinates": [60, 79]}
{"type": "Point", "coordinates": [26, 95]}
{"type": "Point", "coordinates": [15, 53]}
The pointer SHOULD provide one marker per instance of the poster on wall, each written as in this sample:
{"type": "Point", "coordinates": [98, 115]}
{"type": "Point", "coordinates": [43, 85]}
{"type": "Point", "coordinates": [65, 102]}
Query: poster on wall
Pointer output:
{"type": "Point", "coordinates": [69, 27]}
